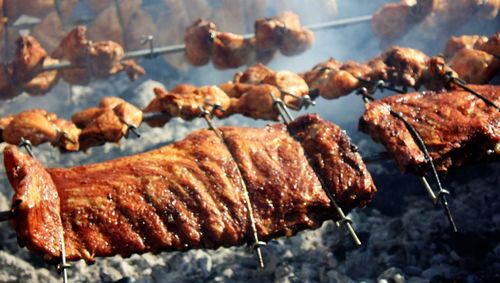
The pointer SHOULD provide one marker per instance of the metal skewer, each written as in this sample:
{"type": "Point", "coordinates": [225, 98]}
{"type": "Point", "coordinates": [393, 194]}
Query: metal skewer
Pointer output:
{"type": "Point", "coordinates": [148, 53]}
{"type": "Point", "coordinates": [257, 244]}
{"type": "Point", "coordinates": [5, 215]}
{"type": "Point", "coordinates": [344, 220]}
{"type": "Point", "coordinates": [63, 266]}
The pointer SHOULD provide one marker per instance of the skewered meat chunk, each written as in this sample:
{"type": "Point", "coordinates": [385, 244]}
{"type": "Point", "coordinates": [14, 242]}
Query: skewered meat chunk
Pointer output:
{"type": "Point", "coordinates": [491, 46]}
{"type": "Point", "coordinates": [475, 66]}
{"type": "Point", "coordinates": [435, 77]}
{"type": "Point", "coordinates": [408, 64]}
{"type": "Point", "coordinates": [186, 195]}
{"type": "Point", "coordinates": [188, 105]}
{"type": "Point", "coordinates": [296, 39]}
{"type": "Point", "coordinates": [29, 59]}
{"type": "Point", "coordinates": [39, 126]}
{"type": "Point", "coordinates": [107, 123]}
{"type": "Point", "coordinates": [455, 126]}
{"type": "Point", "coordinates": [455, 43]}
{"type": "Point", "coordinates": [283, 32]}
{"type": "Point", "coordinates": [254, 74]}
{"type": "Point", "coordinates": [256, 103]}
{"type": "Point", "coordinates": [318, 76]}
{"type": "Point", "coordinates": [232, 51]}
{"type": "Point", "coordinates": [199, 40]}
{"type": "Point", "coordinates": [92, 59]}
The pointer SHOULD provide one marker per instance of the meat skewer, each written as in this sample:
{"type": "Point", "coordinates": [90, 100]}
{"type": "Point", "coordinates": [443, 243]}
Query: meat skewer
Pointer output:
{"type": "Point", "coordinates": [182, 47]}
{"type": "Point", "coordinates": [164, 213]}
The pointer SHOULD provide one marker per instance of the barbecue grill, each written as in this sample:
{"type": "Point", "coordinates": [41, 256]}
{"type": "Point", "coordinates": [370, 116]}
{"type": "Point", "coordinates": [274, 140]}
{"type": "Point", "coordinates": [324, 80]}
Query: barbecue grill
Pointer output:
{"type": "Point", "coordinates": [395, 191]}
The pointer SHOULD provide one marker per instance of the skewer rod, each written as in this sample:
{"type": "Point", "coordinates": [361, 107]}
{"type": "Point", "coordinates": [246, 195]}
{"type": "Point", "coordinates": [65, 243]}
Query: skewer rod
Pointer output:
{"type": "Point", "coordinates": [144, 53]}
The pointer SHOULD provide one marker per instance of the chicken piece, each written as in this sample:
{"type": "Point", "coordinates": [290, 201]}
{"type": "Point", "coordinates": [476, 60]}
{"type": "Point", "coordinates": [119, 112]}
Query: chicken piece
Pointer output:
{"type": "Point", "coordinates": [296, 39]}
{"type": "Point", "coordinates": [232, 51]}
{"type": "Point", "coordinates": [28, 62]}
{"type": "Point", "coordinates": [184, 89]}
{"type": "Point", "coordinates": [339, 83]}
{"type": "Point", "coordinates": [291, 86]}
{"type": "Point", "coordinates": [254, 74]}
{"type": "Point", "coordinates": [188, 106]}
{"type": "Point", "coordinates": [489, 9]}
{"type": "Point", "coordinates": [133, 70]}
{"type": "Point", "coordinates": [408, 64]}
{"type": "Point", "coordinates": [435, 76]}
{"type": "Point", "coordinates": [104, 59]}
{"type": "Point", "coordinates": [235, 90]}
{"type": "Point", "coordinates": [455, 43]}
{"type": "Point", "coordinates": [256, 103]}
{"type": "Point", "coordinates": [391, 21]}
{"type": "Point", "coordinates": [491, 46]}
{"type": "Point", "coordinates": [7, 88]}
{"type": "Point", "coordinates": [199, 41]}
{"type": "Point", "coordinates": [92, 59]}
{"type": "Point", "coordinates": [107, 123]}
{"type": "Point", "coordinates": [268, 34]}
{"type": "Point", "coordinates": [475, 66]}
{"type": "Point", "coordinates": [38, 126]}
{"type": "Point", "coordinates": [42, 82]}
{"type": "Point", "coordinates": [319, 74]}
{"type": "Point", "coordinates": [379, 70]}
{"type": "Point", "coordinates": [74, 48]}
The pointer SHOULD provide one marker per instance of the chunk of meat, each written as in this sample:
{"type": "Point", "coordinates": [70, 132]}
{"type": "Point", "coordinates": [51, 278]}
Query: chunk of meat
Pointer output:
{"type": "Point", "coordinates": [199, 40]}
{"type": "Point", "coordinates": [188, 195]}
{"type": "Point", "coordinates": [456, 127]}
{"type": "Point", "coordinates": [28, 62]}
{"type": "Point", "coordinates": [39, 126]}
{"type": "Point", "coordinates": [408, 64]}
{"type": "Point", "coordinates": [491, 46]}
{"type": "Point", "coordinates": [232, 51]}
{"type": "Point", "coordinates": [455, 43]}
{"type": "Point", "coordinates": [296, 39]}
{"type": "Point", "coordinates": [475, 66]}
{"type": "Point", "coordinates": [107, 123]}
{"type": "Point", "coordinates": [189, 105]}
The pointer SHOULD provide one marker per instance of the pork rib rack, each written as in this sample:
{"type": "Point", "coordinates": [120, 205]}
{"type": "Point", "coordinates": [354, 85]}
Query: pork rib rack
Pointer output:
{"type": "Point", "coordinates": [455, 126]}
{"type": "Point", "coordinates": [188, 195]}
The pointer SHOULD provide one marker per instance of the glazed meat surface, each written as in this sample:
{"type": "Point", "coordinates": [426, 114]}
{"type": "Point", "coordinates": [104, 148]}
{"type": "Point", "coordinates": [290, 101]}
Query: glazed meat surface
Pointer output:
{"type": "Point", "coordinates": [186, 195]}
{"type": "Point", "coordinates": [198, 40]}
{"type": "Point", "coordinates": [409, 64]}
{"type": "Point", "coordinates": [475, 66]}
{"type": "Point", "coordinates": [39, 126]}
{"type": "Point", "coordinates": [107, 123]}
{"type": "Point", "coordinates": [455, 126]}
{"type": "Point", "coordinates": [232, 51]}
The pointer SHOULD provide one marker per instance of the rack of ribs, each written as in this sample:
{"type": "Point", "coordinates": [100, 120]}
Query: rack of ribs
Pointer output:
{"type": "Point", "coordinates": [187, 195]}
{"type": "Point", "coordinates": [455, 126]}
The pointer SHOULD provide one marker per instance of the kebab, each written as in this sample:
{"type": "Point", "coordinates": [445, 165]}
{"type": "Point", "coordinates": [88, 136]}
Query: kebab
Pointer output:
{"type": "Point", "coordinates": [248, 93]}
{"type": "Point", "coordinates": [92, 60]}
{"type": "Point", "coordinates": [154, 201]}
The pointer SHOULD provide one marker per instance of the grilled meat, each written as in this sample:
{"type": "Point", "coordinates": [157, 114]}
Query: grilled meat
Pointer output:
{"type": "Point", "coordinates": [199, 40]}
{"type": "Point", "coordinates": [408, 64]}
{"type": "Point", "coordinates": [455, 43]}
{"type": "Point", "coordinates": [188, 105]}
{"type": "Point", "coordinates": [29, 59]}
{"type": "Point", "coordinates": [187, 195]}
{"type": "Point", "coordinates": [232, 51]}
{"type": "Point", "coordinates": [92, 59]}
{"type": "Point", "coordinates": [455, 126]}
{"type": "Point", "coordinates": [39, 126]}
{"type": "Point", "coordinates": [491, 46]}
{"type": "Point", "coordinates": [475, 66]}
{"type": "Point", "coordinates": [107, 123]}
{"type": "Point", "coordinates": [392, 20]}
{"type": "Point", "coordinates": [296, 39]}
